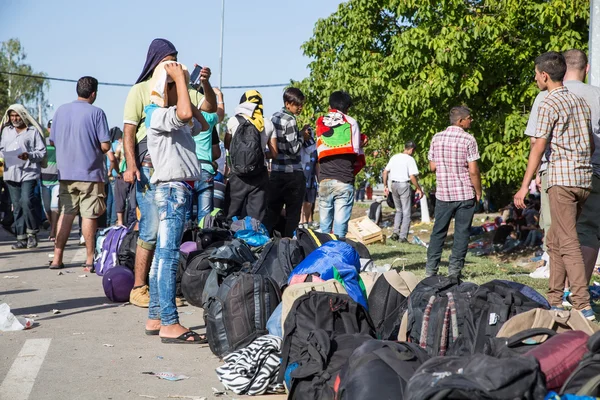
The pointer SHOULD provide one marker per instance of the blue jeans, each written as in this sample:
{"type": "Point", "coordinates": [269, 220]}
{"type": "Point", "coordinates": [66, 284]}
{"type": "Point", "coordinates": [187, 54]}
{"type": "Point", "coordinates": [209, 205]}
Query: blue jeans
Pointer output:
{"type": "Point", "coordinates": [111, 211]}
{"type": "Point", "coordinates": [50, 198]}
{"type": "Point", "coordinates": [203, 196]}
{"type": "Point", "coordinates": [22, 195]}
{"type": "Point", "coordinates": [172, 202]}
{"type": "Point", "coordinates": [144, 195]}
{"type": "Point", "coordinates": [462, 212]}
{"type": "Point", "coordinates": [335, 206]}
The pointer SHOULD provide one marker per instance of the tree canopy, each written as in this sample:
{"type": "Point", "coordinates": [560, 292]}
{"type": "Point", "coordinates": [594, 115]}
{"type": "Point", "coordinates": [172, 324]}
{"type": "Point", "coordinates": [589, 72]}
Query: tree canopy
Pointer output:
{"type": "Point", "coordinates": [407, 62]}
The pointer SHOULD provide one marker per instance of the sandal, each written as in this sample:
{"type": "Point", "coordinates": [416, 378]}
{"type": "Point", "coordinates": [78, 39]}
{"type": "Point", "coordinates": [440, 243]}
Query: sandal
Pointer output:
{"type": "Point", "coordinates": [152, 332]}
{"type": "Point", "coordinates": [60, 266]}
{"type": "Point", "coordinates": [183, 338]}
{"type": "Point", "coordinates": [89, 268]}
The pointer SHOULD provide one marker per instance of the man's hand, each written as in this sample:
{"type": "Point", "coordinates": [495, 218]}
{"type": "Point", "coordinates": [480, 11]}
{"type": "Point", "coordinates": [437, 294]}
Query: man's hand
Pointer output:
{"type": "Point", "coordinates": [175, 71]}
{"type": "Point", "coordinates": [131, 174]}
{"type": "Point", "coordinates": [205, 74]}
{"type": "Point", "coordinates": [364, 140]}
{"type": "Point", "coordinates": [538, 182]}
{"type": "Point", "coordinates": [24, 156]}
{"type": "Point", "coordinates": [419, 193]}
{"type": "Point", "coordinates": [519, 198]}
{"type": "Point", "coordinates": [386, 191]}
{"type": "Point", "coordinates": [478, 197]}
{"type": "Point", "coordinates": [306, 131]}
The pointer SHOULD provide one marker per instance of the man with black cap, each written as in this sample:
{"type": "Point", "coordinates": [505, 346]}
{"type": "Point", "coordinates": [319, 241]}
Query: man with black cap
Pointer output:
{"type": "Point", "coordinates": [139, 164]}
{"type": "Point", "coordinates": [401, 170]}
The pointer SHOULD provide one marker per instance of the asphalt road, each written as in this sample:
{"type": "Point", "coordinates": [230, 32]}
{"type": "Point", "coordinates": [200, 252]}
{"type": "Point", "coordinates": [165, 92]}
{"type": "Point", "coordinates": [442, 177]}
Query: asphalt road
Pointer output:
{"type": "Point", "coordinates": [92, 349]}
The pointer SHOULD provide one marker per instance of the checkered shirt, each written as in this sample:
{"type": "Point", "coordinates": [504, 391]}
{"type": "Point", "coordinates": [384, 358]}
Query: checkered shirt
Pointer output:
{"type": "Point", "coordinates": [565, 121]}
{"type": "Point", "coordinates": [452, 150]}
{"type": "Point", "coordinates": [289, 143]}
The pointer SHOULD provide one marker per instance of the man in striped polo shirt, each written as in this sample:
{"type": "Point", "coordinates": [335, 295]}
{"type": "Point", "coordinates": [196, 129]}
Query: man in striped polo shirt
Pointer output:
{"type": "Point", "coordinates": [287, 183]}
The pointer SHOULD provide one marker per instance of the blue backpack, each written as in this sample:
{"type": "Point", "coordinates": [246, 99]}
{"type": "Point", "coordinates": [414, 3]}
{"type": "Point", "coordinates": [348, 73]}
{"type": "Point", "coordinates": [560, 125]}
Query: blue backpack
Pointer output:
{"type": "Point", "coordinates": [108, 243]}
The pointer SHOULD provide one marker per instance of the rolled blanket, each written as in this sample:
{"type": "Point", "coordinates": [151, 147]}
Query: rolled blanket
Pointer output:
{"type": "Point", "coordinates": [253, 370]}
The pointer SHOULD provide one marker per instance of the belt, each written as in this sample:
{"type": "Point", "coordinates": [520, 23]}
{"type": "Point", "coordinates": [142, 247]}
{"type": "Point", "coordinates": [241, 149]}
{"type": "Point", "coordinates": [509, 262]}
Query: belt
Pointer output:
{"type": "Point", "coordinates": [400, 181]}
{"type": "Point", "coordinates": [147, 164]}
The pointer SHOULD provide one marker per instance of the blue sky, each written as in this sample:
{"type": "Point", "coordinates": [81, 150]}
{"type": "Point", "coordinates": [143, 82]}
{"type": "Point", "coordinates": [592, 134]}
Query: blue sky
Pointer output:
{"type": "Point", "coordinates": [108, 39]}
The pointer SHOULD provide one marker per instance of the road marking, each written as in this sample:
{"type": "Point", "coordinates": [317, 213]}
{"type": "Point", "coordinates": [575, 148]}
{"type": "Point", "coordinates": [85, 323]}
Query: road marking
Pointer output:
{"type": "Point", "coordinates": [19, 381]}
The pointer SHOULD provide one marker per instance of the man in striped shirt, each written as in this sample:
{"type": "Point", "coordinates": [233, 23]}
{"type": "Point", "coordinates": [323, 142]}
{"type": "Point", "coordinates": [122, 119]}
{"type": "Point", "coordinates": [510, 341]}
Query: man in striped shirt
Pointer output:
{"type": "Point", "coordinates": [564, 120]}
{"type": "Point", "coordinates": [287, 183]}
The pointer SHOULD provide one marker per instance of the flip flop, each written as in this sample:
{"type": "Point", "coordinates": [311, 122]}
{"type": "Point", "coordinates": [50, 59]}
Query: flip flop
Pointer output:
{"type": "Point", "coordinates": [50, 266]}
{"type": "Point", "coordinates": [152, 332]}
{"type": "Point", "coordinates": [89, 268]}
{"type": "Point", "coordinates": [183, 339]}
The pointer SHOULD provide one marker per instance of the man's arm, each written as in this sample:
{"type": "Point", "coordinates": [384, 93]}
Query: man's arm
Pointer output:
{"type": "Point", "coordinates": [200, 118]}
{"type": "Point", "coordinates": [105, 147]}
{"type": "Point", "coordinates": [220, 104]}
{"type": "Point", "coordinates": [39, 150]}
{"type": "Point", "coordinates": [132, 173]}
{"type": "Point", "coordinates": [432, 166]}
{"type": "Point", "coordinates": [114, 164]}
{"type": "Point", "coordinates": [227, 140]}
{"type": "Point", "coordinates": [210, 99]}
{"type": "Point", "coordinates": [272, 145]}
{"type": "Point", "coordinates": [475, 177]}
{"type": "Point", "coordinates": [415, 182]}
{"type": "Point", "coordinates": [535, 156]}
{"type": "Point", "coordinates": [386, 190]}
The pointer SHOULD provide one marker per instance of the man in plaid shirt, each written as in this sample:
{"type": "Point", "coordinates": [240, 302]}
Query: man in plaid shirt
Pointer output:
{"type": "Point", "coordinates": [453, 157]}
{"type": "Point", "coordinates": [565, 121]}
{"type": "Point", "coordinates": [287, 183]}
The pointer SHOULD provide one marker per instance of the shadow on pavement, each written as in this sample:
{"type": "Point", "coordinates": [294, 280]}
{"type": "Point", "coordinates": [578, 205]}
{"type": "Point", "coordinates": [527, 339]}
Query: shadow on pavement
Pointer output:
{"type": "Point", "coordinates": [6, 293]}
{"type": "Point", "coordinates": [64, 305]}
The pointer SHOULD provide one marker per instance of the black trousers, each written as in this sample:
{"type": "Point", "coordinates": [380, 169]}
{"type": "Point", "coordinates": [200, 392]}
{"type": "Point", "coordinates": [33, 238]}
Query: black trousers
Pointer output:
{"type": "Point", "coordinates": [285, 189]}
{"type": "Point", "coordinates": [125, 201]}
{"type": "Point", "coordinates": [247, 196]}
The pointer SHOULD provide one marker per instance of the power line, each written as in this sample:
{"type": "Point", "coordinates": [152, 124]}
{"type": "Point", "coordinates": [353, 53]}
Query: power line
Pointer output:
{"type": "Point", "coordinates": [128, 85]}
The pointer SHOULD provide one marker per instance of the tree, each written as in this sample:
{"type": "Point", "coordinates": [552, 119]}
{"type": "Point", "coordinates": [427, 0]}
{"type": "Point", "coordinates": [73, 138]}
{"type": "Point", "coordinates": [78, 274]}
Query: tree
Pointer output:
{"type": "Point", "coordinates": [407, 62]}
{"type": "Point", "coordinates": [31, 92]}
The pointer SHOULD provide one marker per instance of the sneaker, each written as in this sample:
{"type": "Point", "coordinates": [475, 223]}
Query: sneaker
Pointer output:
{"type": "Point", "coordinates": [32, 242]}
{"type": "Point", "coordinates": [588, 313]}
{"type": "Point", "coordinates": [394, 237]}
{"type": "Point", "coordinates": [179, 302]}
{"type": "Point", "coordinates": [140, 296]}
{"type": "Point", "coordinates": [82, 241]}
{"type": "Point", "coordinates": [403, 240]}
{"type": "Point", "coordinates": [566, 302]}
{"type": "Point", "coordinates": [20, 245]}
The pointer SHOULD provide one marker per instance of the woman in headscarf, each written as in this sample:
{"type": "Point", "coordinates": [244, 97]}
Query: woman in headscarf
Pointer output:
{"type": "Point", "coordinates": [139, 163]}
{"type": "Point", "coordinates": [22, 150]}
{"type": "Point", "coordinates": [246, 194]}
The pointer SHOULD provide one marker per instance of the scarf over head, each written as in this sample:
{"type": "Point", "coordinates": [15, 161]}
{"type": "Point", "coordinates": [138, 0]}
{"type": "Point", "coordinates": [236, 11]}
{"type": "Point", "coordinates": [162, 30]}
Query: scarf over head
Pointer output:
{"type": "Point", "coordinates": [251, 108]}
{"type": "Point", "coordinates": [25, 116]}
{"type": "Point", "coordinates": [159, 81]}
{"type": "Point", "coordinates": [159, 49]}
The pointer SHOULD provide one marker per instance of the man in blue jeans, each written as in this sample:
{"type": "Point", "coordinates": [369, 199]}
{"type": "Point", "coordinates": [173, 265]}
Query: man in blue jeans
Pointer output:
{"type": "Point", "coordinates": [171, 120]}
{"type": "Point", "coordinates": [453, 157]}
{"type": "Point", "coordinates": [339, 145]}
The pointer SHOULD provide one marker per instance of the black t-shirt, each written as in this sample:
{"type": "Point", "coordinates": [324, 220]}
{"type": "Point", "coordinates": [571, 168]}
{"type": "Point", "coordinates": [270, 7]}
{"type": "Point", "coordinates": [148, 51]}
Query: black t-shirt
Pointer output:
{"type": "Point", "coordinates": [502, 233]}
{"type": "Point", "coordinates": [340, 168]}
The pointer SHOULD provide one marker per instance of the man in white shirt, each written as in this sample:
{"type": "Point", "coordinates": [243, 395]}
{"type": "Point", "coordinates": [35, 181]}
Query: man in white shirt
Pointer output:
{"type": "Point", "coordinates": [401, 171]}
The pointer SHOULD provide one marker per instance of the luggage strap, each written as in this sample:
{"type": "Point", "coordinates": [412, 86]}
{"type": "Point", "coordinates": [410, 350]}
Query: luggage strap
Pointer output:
{"type": "Point", "coordinates": [316, 239]}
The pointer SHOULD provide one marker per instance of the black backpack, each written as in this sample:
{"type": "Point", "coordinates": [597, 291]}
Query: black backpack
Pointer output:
{"type": "Point", "coordinates": [585, 380]}
{"type": "Point", "coordinates": [441, 326]}
{"type": "Point", "coordinates": [478, 377]}
{"type": "Point", "coordinates": [332, 312]}
{"type": "Point", "coordinates": [310, 240]}
{"type": "Point", "coordinates": [239, 312]}
{"type": "Point", "coordinates": [127, 250]}
{"type": "Point", "coordinates": [379, 369]}
{"type": "Point", "coordinates": [317, 371]}
{"type": "Point", "coordinates": [492, 304]}
{"type": "Point", "coordinates": [246, 153]}
{"type": "Point", "coordinates": [196, 271]}
{"type": "Point", "coordinates": [518, 344]}
{"type": "Point", "coordinates": [278, 259]}
{"type": "Point", "coordinates": [386, 307]}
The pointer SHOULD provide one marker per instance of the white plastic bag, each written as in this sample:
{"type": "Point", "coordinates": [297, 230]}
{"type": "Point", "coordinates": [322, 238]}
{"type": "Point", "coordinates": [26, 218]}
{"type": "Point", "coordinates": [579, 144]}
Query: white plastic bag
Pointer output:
{"type": "Point", "coordinates": [8, 322]}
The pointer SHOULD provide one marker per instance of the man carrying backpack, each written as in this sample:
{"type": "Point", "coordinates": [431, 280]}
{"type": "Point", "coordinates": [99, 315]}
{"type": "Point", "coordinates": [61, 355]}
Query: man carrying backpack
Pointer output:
{"type": "Point", "coordinates": [248, 135]}
{"type": "Point", "coordinates": [287, 183]}
{"type": "Point", "coordinates": [339, 146]}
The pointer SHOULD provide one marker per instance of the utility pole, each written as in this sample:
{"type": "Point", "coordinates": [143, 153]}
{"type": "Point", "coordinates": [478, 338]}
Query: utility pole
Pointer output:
{"type": "Point", "coordinates": [594, 45]}
{"type": "Point", "coordinates": [221, 55]}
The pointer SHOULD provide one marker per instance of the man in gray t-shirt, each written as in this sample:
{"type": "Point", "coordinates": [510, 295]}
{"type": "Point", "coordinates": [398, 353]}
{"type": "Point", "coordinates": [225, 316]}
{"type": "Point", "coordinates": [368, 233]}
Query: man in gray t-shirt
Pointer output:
{"type": "Point", "coordinates": [588, 224]}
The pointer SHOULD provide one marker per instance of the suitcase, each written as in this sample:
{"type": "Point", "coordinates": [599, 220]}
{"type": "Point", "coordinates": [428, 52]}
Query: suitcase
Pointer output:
{"type": "Point", "coordinates": [559, 356]}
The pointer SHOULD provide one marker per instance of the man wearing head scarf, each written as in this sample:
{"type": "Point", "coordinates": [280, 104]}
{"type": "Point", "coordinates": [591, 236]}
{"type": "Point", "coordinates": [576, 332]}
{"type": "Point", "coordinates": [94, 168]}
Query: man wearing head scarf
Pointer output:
{"type": "Point", "coordinates": [246, 193]}
{"type": "Point", "coordinates": [22, 150]}
{"type": "Point", "coordinates": [139, 163]}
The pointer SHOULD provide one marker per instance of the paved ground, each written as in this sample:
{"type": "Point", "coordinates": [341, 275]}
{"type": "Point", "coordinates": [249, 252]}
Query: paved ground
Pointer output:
{"type": "Point", "coordinates": [93, 349]}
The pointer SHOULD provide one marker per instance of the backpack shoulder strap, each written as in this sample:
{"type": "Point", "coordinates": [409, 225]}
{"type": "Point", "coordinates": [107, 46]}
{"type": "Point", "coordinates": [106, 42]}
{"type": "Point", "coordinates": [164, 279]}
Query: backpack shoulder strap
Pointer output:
{"type": "Point", "coordinates": [315, 238]}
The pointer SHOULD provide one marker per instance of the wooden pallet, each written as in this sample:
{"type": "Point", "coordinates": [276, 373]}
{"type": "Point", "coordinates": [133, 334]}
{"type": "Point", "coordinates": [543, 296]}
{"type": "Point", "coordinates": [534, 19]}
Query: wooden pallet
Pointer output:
{"type": "Point", "coordinates": [365, 231]}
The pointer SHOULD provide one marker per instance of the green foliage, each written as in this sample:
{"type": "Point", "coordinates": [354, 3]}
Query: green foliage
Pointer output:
{"type": "Point", "coordinates": [407, 62]}
{"type": "Point", "coordinates": [30, 92]}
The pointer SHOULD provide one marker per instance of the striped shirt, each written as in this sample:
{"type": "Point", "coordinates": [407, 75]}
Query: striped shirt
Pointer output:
{"type": "Point", "coordinates": [289, 143]}
{"type": "Point", "coordinates": [565, 121]}
{"type": "Point", "coordinates": [452, 150]}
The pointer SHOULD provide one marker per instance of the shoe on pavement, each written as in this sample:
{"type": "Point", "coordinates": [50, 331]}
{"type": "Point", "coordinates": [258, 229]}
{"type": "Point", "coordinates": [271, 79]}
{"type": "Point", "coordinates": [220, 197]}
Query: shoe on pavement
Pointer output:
{"type": "Point", "coordinates": [179, 302]}
{"type": "Point", "coordinates": [20, 245]}
{"type": "Point", "coordinates": [566, 302]}
{"type": "Point", "coordinates": [588, 313]}
{"type": "Point", "coordinates": [140, 296]}
{"type": "Point", "coordinates": [82, 241]}
{"type": "Point", "coordinates": [32, 242]}
{"type": "Point", "coordinates": [394, 237]}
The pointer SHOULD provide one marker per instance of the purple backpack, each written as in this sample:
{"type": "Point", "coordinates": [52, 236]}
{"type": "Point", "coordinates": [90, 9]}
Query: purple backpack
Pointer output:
{"type": "Point", "coordinates": [117, 284]}
{"type": "Point", "coordinates": [107, 248]}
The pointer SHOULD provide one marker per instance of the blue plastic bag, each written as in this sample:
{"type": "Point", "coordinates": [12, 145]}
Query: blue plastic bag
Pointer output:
{"type": "Point", "coordinates": [251, 231]}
